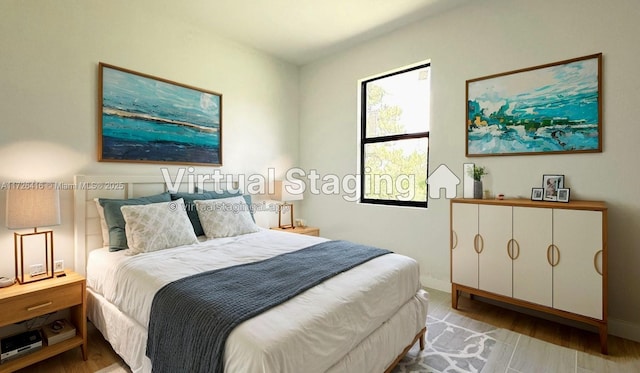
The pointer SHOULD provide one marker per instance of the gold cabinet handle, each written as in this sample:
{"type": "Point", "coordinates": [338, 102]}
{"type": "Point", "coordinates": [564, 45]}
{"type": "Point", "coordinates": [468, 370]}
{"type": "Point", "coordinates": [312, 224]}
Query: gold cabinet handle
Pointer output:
{"type": "Point", "coordinates": [513, 249]}
{"type": "Point", "coordinates": [454, 238]}
{"type": "Point", "coordinates": [33, 308]}
{"type": "Point", "coordinates": [595, 262]}
{"type": "Point", "coordinates": [553, 253]}
{"type": "Point", "coordinates": [478, 243]}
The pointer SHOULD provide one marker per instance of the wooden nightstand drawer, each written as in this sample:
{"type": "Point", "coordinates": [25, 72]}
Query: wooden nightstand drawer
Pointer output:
{"type": "Point", "coordinates": [40, 302]}
{"type": "Point", "coordinates": [309, 231]}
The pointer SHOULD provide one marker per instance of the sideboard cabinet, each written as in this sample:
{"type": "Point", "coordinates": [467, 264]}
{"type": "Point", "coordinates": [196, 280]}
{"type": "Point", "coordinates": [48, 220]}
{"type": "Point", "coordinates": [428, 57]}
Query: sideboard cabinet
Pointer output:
{"type": "Point", "coordinates": [547, 256]}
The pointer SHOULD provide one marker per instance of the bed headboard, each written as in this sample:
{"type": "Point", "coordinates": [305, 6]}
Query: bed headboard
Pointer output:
{"type": "Point", "coordinates": [87, 231]}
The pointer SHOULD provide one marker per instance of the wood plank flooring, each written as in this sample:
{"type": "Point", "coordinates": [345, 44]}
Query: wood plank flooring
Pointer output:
{"type": "Point", "coordinates": [522, 352]}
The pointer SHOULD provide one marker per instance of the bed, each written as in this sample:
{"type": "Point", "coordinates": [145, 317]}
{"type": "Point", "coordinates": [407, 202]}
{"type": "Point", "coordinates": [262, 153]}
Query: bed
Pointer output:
{"type": "Point", "coordinates": [361, 320]}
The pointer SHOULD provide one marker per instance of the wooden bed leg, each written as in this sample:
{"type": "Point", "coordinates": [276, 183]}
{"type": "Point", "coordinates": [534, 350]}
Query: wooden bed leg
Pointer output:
{"type": "Point", "coordinates": [420, 337]}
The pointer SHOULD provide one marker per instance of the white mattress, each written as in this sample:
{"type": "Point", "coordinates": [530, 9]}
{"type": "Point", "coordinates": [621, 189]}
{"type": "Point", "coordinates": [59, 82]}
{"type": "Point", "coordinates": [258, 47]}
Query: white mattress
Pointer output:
{"type": "Point", "coordinates": [310, 333]}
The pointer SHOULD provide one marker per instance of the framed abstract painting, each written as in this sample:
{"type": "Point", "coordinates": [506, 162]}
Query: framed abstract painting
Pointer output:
{"type": "Point", "coordinates": [149, 119]}
{"type": "Point", "coordinates": [548, 109]}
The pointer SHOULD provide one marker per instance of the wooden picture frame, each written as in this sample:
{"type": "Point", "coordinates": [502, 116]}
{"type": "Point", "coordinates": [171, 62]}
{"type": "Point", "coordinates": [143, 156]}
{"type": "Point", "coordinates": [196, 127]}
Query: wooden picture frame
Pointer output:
{"type": "Point", "coordinates": [143, 118]}
{"type": "Point", "coordinates": [547, 109]}
{"type": "Point", "coordinates": [551, 184]}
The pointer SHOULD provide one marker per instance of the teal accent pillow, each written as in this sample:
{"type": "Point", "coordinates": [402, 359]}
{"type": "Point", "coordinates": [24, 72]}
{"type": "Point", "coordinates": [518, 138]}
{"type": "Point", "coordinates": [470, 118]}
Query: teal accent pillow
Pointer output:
{"type": "Point", "coordinates": [192, 212]}
{"type": "Point", "coordinates": [115, 220]}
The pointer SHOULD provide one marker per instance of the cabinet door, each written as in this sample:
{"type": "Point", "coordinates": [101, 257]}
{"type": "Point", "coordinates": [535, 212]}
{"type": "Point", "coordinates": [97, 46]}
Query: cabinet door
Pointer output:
{"type": "Point", "coordinates": [532, 273]}
{"type": "Point", "coordinates": [464, 258]}
{"type": "Point", "coordinates": [577, 284]}
{"type": "Point", "coordinates": [495, 265]}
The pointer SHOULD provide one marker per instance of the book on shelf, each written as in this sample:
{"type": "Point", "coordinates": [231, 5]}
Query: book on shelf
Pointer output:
{"type": "Point", "coordinates": [58, 331]}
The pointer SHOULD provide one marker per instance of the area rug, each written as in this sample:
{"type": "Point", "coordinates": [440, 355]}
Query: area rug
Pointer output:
{"type": "Point", "coordinates": [450, 347]}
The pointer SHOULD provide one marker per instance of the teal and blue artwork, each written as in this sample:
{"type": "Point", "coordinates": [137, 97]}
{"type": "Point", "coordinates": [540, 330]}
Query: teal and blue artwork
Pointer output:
{"type": "Point", "coordinates": [553, 108]}
{"type": "Point", "coordinates": [149, 119]}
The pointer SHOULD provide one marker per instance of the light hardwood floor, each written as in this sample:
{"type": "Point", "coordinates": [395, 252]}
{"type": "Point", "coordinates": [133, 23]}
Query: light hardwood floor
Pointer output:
{"type": "Point", "coordinates": [537, 345]}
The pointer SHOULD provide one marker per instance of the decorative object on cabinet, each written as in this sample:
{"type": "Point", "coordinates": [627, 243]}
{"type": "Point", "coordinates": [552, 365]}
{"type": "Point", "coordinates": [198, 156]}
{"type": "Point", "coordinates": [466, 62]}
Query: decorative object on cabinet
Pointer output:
{"type": "Point", "coordinates": [58, 331]}
{"type": "Point", "coordinates": [543, 109]}
{"type": "Point", "coordinates": [563, 194]}
{"type": "Point", "coordinates": [555, 259]}
{"type": "Point", "coordinates": [6, 282]}
{"type": "Point", "coordinates": [33, 205]}
{"type": "Point", "coordinates": [537, 194]}
{"type": "Point", "coordinates": [551, 184]}
{"type": "Point", "coordinates": [144, 118]}
{"type": "Point", "coordinates": [468, 182]}
{"type": "Point", "coordinates": [477, 172]}
{"type": "Point", "coordinates": [286, 191]}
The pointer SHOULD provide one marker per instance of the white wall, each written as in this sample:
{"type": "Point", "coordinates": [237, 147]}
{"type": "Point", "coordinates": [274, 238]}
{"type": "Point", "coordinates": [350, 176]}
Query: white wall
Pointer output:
{"type": "Point", "coordinates": [483, 38]}
{"type": "Point", "coordinates": [49, 94]}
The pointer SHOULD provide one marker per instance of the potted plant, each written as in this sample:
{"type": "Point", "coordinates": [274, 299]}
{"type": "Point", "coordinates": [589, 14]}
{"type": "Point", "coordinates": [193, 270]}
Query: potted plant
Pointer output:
{"type": "Point", "coordinates": [477, 173]}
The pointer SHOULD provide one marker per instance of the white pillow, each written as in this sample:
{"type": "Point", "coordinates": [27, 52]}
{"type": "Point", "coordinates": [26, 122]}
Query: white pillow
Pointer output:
{"type": "Point", "coordinates": [103, 223]}
{"type": "Point", "coordinates": [157, 226]}
{"type": "Point", "coordinates": [225, 217]}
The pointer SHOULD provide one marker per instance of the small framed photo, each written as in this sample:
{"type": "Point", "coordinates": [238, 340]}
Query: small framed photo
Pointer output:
{"type": "Point", "coordinates": [537, 194]}
{"type": "Point", "coordinates": [551, 184]}
{"type": "Point", "coordinates": [563, 194]}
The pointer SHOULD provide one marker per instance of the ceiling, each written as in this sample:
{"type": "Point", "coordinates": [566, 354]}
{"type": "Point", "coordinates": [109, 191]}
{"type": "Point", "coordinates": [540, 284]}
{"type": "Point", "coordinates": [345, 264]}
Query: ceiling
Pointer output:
{"type": "Point", "coordinates": [300, 31]}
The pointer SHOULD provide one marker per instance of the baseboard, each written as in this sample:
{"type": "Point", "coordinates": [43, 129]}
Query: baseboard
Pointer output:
{"type": "Point", "coordinates": [433, 283]}
{"type": "Point", "coordinates": [624, 329]}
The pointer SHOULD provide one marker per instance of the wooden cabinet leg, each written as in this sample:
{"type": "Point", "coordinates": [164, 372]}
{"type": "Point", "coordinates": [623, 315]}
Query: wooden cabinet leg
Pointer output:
{"type": "Point", "coordinates": [454, 297]}
{"type": "Point", "coordinates": [604, 347]}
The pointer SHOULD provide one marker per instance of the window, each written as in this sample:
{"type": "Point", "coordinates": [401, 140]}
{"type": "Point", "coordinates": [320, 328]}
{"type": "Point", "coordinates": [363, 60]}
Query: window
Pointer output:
{"type": "Point", "coordinates": [394, 137]}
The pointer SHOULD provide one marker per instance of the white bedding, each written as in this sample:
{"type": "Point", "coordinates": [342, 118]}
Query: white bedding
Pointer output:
{"type": "Point", "coordinates": [310, 333]}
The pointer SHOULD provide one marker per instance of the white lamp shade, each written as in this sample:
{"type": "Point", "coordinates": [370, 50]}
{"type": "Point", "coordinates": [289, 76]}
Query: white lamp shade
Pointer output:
{"type": "Point", "coordinates": [286, 191]}
{"type": "Point", "coordinates": [32, 208]}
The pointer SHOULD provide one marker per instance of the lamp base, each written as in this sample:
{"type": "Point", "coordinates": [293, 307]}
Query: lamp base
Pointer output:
{"type": "Point", "coordinates": [47, 264]}
{"type": "Point", "coordinates": [286, 226]}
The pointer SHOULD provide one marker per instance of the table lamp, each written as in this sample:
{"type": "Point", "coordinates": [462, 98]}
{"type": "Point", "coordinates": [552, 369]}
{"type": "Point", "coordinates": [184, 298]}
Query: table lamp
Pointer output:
{"type": "Point", "coordinates": [286, 191]}
{"type": "Point", "coordinates": [31, 207]}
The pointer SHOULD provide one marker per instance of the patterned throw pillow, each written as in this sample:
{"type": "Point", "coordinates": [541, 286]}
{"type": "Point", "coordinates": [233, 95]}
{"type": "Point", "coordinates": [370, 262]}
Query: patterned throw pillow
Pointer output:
{"type": "Point", "coordinates": [191, 207]}
{"type": "Point", "coordinates": [115, 220]}
{"type": "Point", "coordinates": [225, 217]}
{"type": "Point", "coordinates": [157, 226]}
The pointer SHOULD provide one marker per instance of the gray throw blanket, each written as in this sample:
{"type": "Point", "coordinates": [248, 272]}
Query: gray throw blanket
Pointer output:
{"type": "Point", "coordinates": [191, 318]}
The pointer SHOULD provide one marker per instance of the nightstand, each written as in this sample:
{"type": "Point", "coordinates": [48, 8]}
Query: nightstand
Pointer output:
{"type": "Point", "coordinates": [24, 302]}
{"type": "Point", "coordinates": [309, 231]}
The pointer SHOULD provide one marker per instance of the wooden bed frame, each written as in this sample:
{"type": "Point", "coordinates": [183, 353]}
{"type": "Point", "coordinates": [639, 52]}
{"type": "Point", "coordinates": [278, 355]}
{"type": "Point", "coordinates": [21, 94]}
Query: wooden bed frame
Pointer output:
{"type": "Point", "coordinates": [419, 337]}
{"type": "Point", "coordinates": [87, 230]}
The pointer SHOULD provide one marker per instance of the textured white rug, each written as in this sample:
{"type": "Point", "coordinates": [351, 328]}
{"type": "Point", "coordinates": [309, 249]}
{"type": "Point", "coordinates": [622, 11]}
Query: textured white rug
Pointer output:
{"type": "Point", "coordinates": [450, 347]}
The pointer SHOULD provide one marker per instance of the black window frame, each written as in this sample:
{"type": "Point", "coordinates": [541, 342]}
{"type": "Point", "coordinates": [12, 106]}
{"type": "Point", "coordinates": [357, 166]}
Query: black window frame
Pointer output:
{"type": "Point", "coordinates": [364, 140]}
